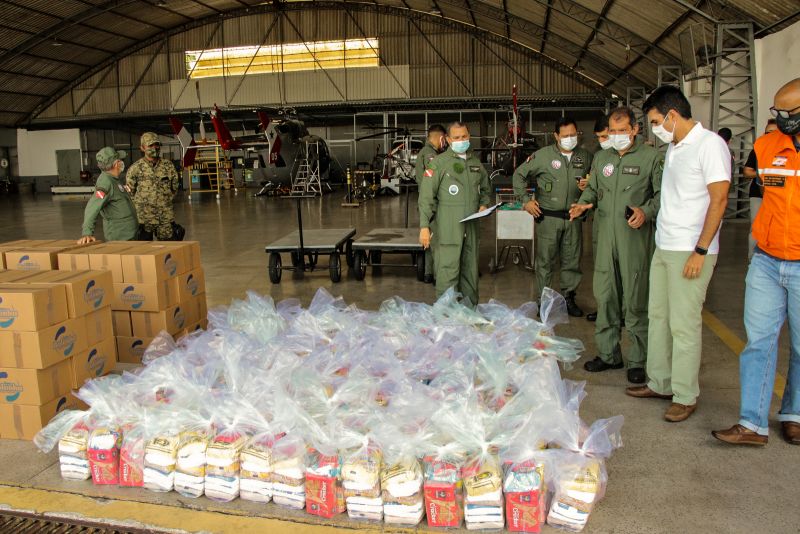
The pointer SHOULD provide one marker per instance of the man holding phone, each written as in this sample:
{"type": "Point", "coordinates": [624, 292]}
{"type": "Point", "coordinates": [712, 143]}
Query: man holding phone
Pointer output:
{"type": "Point", "coordinates": [624, 188]}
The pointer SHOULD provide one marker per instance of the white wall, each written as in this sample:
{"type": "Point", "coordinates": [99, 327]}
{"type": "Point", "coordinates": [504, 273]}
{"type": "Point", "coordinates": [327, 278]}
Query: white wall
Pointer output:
{"type": "Point", "coordinates": [777, 62]}
{"type": "Point", "coordinates": [37, 149]}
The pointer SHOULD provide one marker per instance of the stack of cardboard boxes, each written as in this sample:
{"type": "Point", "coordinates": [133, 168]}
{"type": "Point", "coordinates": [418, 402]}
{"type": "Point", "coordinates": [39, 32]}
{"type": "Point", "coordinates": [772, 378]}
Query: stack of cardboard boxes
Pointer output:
{"type": "Point", "coordinates": [157, 286]}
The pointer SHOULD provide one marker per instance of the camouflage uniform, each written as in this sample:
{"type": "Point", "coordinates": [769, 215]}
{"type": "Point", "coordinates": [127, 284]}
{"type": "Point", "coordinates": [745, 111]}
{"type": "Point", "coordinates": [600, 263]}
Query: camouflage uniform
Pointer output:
{"type": "Point", "coordinates": [153, 185]}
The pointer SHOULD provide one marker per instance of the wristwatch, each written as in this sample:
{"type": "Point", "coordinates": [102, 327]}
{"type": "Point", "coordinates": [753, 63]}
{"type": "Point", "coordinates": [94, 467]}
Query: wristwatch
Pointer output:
{"type": "Point", "coordinates": [700, 250]}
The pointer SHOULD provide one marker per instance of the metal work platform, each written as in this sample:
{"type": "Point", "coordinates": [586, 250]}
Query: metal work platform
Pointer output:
{"type": "Point", "coordinates": [310, 245]}
{"type": "Point", "coordinates": [369, 249]}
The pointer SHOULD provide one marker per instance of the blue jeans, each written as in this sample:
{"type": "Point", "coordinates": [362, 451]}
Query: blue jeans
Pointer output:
{"type": "Point", "coordinates": [772, 294]}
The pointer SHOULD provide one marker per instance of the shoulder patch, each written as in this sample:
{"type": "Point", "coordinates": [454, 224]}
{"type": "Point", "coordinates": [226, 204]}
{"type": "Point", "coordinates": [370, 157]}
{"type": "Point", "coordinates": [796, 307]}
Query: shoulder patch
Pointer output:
{"type": "Point", "coordinates": [428, 173]}
{"type": "Point", "coordinates": [99, 193]}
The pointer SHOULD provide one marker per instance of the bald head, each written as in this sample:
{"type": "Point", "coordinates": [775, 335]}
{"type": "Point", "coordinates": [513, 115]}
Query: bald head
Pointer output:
{"type": "Point", "coordinates": [788, 96]}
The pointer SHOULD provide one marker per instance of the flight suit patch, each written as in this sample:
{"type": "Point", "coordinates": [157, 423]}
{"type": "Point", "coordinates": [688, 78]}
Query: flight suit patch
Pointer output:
{"type": "Point", "coordinates": [428, 173]}
{"type": "Point", "coordinates": [779, 161]}
{"type": "Point", "coordinates": [453, 189]}
{"type": "Point", "coordinates": [121, 187]}
{"type": "Point", "coordinates": [774, 181]}
{"type": "Point", "coordinates": [548, 187]}
{"type": "Point", "coordinates": [577, 162]}
{"type": "Point", "coordinates": [608, 170]}
{"type": "Point", "coordinates": [555, 164]}
{"type": "Point", "coordinates": [474, 168]}
{"type": "Point", "coordinates": [458, 167]}
{"type": "Point", "coordinates": [631, 170]}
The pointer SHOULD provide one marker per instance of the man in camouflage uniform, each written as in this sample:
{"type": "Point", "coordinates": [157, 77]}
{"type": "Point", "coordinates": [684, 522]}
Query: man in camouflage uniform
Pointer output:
{"type": "Point", "coordinates": [153, 183]}
{"type": "Point", "coordinates": [434, 146]}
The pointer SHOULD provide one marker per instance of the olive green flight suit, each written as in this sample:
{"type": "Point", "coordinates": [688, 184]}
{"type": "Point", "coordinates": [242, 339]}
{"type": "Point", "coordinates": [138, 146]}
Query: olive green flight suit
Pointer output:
{"type": "Point", "coordinates": [113, 203]}
{"type": "Point", "coordinates": [556, 189]}
{"type": "Point", "coordinates": [622, 263]}
{"type": "Point", "coordinates": [452, 189]}
{"type": "Point", "coordinates": [424, 158]}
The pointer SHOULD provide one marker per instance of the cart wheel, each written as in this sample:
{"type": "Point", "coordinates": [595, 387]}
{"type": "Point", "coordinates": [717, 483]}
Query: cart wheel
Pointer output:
{"type": "Point", "coordinates": [335, 267]}
{"type": "Point", "coordinates": [492, 266]}
{"type": "Point", "coordinates": [515, 259]}
{"type": "Point", "coordinates": [360, 265]}
{"type": "Point", "coordinates": [348, 253]}
{"type": "Point", "coordinates": [275, 269]}
{"type": "Point", "coordinates": [420, 267]}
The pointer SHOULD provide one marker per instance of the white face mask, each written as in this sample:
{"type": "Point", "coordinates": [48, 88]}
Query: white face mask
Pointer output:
{"type": "Point", "coordinates": [620, 141]}
{"type": "Point", "coordinates": [608, 143]}
{"type": "Point", "coordinates": [121, 166]}
{"type": "Point", "coordinates": [569, 143]}
{"type": "Point", "coordinates": [662, 133]}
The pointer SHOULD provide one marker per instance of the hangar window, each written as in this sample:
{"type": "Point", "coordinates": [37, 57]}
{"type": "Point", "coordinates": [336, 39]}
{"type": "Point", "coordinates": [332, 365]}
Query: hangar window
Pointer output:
{"type": "Point", "coordinates": [315, 55]}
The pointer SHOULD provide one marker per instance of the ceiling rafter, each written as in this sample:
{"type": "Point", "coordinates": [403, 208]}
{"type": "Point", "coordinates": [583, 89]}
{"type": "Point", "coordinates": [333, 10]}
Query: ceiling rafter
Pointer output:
{"type": "Point", "coordinates": [593, 34]}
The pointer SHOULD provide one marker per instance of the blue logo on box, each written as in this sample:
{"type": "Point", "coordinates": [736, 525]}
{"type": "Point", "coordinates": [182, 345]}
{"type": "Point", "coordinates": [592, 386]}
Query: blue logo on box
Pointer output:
{"type": "Point", "coordinates": [131, 298]}
{"type": "Point", "coordinates": [95, 363]}
{"type": "Point", "coordinates": [169, 265]}
{"type": "Point", "coordinates": [179, 318]}
{"type": "Point", "coordinates": [93, 294]}
{"type": "Point", "coordinates": [62, 403]}
{"type": "Point", "coordinates": [64, 341]}
{"type": "Point", "coordinates": [12, 390]}
{"type": "Point", "coordinates": [191, 285]}
{"type": "Point", "coordinates": [137, 348]}
{"type": "Point", "coordinates": [25, 263]}
{"type": "Point", "coordinates": [7, 315]}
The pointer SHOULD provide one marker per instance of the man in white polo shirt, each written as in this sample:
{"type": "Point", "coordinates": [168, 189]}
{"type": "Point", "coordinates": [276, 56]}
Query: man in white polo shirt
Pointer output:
{"type": "Point", "coordinates": [694, 191]}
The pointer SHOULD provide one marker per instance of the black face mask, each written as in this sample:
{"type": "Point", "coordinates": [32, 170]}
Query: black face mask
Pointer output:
{"type": "Point", "coordinates": [790, 125]}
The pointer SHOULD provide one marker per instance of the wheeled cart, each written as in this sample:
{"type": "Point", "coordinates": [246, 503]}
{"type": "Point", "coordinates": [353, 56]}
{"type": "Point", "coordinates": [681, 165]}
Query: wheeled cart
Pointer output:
{"type": "Point", "coordinates": [369, 249]}
{"type": "Point", "coordinates": [512, 223]}
{"type": "Point", "coordinates": [310, 245]}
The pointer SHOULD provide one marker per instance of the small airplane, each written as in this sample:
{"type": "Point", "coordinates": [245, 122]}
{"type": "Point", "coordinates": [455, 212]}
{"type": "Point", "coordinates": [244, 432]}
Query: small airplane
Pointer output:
{"type": "Point", "coordinates": [511, 149]}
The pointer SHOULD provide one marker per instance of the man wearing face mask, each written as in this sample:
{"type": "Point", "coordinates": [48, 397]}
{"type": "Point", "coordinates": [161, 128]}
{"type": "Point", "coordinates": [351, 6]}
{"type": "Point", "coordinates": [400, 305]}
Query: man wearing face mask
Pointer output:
{"type": "Point", "coordinates": [624, 188]}
{"type": "Point", "coordinates": [434, 146]}
{"type": "Point", "coordinates": [110, 201]}
{"type": "Point", "coordinates": [558, 172]}
{"type": "Point", "coordinates": [454, 186]}
{"type": "Point", "coordinates": [153, 183]}
{"type": "Point", "coordinates": [773, 282]}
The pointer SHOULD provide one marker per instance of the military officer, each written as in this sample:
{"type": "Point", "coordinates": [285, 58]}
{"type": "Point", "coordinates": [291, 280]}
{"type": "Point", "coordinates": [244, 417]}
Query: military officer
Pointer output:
{"type": "Point", "coordinates": [454, 186]}
{"type": "Point", "coordinates": [153, 183]}
{"type": "Point", "coordinates": [433, 147]}
{"type": "Point", "coordinates": [625, 190]}
{"type": "Point", "coordinates": [111, 201]}
{"type": "Point", "coordinates": [556, 171]}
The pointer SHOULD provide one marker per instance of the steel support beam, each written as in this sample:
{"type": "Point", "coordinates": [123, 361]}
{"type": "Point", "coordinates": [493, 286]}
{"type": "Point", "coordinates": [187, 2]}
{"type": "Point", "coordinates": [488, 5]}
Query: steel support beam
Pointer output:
{"type": "Point", "coordinates": [142, 75]}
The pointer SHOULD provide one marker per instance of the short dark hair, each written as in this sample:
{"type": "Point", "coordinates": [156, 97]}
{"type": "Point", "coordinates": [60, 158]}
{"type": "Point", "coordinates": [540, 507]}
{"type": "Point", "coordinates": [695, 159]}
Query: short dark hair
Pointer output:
{"type": "Point", "coordinates": [601, 123]}
{"type": "Point", "coordinates": [772, 121]}
{"type": "Point", "coordinates": [623, 112]}
{"type": "Point", "coordinates": [726, 134]}
{"type": "Point", "coordinates": [436, 128]}
{"type": "Point", "coordinates": [457, 124]}
{"type": "Point", "coordinates": [565, 121]}
{"type": "Point", "coordinates": [668, 97]}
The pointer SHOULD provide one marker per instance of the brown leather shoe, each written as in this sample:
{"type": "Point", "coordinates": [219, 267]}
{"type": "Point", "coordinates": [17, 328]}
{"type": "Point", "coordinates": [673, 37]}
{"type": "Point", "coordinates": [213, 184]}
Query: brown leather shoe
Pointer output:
{"type": "Point", "coordinates": [679, 412]}
{"type": "Point", "coordinates": [644, 392]}
{"type": "Point", "coordinates": [791, 432]}
{"type": "Point", "coordinates": [739, 435]}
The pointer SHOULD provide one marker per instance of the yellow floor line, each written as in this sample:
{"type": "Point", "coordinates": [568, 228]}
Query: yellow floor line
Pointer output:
{"type": "Point", "coordinates": [736, 345]}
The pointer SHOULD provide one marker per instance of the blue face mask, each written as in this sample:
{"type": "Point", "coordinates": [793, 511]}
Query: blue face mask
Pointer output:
{"type": "Point", "coordinates": [459, 147]}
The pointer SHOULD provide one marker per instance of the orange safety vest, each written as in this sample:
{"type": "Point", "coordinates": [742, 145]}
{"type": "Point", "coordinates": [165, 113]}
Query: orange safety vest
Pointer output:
{"type": "Point", "coordinates": [777, 225]}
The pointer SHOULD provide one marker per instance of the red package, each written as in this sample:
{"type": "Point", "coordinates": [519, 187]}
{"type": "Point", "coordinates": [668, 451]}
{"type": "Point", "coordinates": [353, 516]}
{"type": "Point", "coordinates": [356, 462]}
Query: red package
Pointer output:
{"type": "Point", "coordinates": [324, 496]}
{"type": "Point", "coordinates": [525, 511]}
{"type": "Point", "coordinates": [103, 455]}
{"type": "Point", "coordinates": [131, 459]}
{"type": "Point", "coordinates": [443, 504]}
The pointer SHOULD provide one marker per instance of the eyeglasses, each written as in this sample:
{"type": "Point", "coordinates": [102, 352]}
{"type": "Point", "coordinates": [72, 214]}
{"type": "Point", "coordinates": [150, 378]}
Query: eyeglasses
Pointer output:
{"type": "Point", "coordinates": [782, 113]}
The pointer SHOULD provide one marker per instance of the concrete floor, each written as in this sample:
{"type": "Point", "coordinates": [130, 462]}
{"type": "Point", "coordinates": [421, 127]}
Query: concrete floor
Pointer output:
{"type": "Point", "coordinates": [667, 478]}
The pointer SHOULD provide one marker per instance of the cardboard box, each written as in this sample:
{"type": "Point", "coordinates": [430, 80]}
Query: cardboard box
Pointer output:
{"type": "Point", "coordinates": [190, 284]}
{"type": "Point", "coordinates": [149, 324]}
{"type": "Point", "coordinates": [122, 324]}
{"type": "Point", "coordinates": [87, 291]}
{"type": "Point", "coordinates": [21, 421]}
{"type": "Point", "coordinates": [77, 259]}
{"type": "Point", "coordinates": [31, 308]}
{"type": "Point", "coordinates": [190, 251]}
{"type": "Point", "coordinates": [40, 350]}
{"type": "Point", "coordinates": [7, 277]}
{"type": "Point", "coordinates": [34, 386]}
{"type": "Point", "coordinates": [151, 264]}
{"type": "Point", "coordinates": [38, 256]}
{"type": "Point", "coordinates": [10, 246]}
{"type": "Point", "coordinates": [200, 326]}
{"type": "Point", "coordinates": [98, 360]}
{"type": "Point", "coordinates": [195, 309]}
{"type": "Point", "coordinates": [109, 258]}
{"type": "Point", "coordinates": [131, 349]}
{"type": "Point", "coordinates": [99, 326]}
{"type": "Point", "coordinates": [151, 297]}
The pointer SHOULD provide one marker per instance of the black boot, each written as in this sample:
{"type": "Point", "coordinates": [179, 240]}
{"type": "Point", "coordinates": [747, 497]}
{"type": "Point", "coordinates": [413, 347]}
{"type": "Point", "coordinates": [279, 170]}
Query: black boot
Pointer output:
{"type": "Point", "coordinates": [636, 375]}
{"type": "Point", "coordinates": [592, 317]}
{"type": "Point", "coordinates": [598, 365]}
{"type": "Point", "coordinates": [572, 307]}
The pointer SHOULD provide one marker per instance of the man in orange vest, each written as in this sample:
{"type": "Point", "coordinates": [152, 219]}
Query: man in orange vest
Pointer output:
{"type": "Point", "coordinates": [773, 281]}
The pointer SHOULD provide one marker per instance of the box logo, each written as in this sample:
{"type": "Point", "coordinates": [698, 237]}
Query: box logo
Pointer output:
{"type": "Point", "coordinates": [131, 298]}
{"type": "Point", "coordinates": [178, 318]}
{"type": "Point", "coordinates": [96, 363]}
{"type": "Point", "coordinates": [191, 285]}
{"type": "Point", "coordinates": [137, 348]}
{"type": "Point", "coordinates": [93, 295]}
{"type": "Point", "coordinates": [62, 403]}
{"type": "Point", "coordinates": [170, 267]}
{"type": "Point", "coordinates": [7, 315]}
{"type": "Point", "coordinates": [11, 390]}
{"type": "Point", "coordinates": [26, 264]}
{"type": "Point", "coordinates": [64, 341]}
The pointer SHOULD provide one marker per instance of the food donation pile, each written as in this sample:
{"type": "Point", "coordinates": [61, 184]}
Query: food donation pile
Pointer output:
{"type": "Point", "coordinates": [414, 411]}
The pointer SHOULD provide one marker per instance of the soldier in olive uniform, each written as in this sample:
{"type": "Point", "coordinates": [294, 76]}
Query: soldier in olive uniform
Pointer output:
{"type": "Point", "coordinates": [557, 171]}
{"type": "Point", "coordinates": [153, 183]}
{"type": "Point", "coordinates": [111, 201]}
{"type": "Point", "coordinates": [433, 147]}
{"type": "Point", "coordinates": [625, 190]}
{"type": "Point", "coordinates": [454, 186]}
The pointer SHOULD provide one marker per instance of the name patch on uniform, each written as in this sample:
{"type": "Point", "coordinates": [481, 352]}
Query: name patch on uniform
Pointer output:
{"type": "Point", "coordinates": [779, 161]}
{"type": "Point", "coordinates": [556, 164]}
{"type": "Point", "coordinates": [428, 173]}
{"type": "Point", "coordinates": [630, 170]}
{"type": "Point", "coordinates": [474, 168]}
{"type": "Point", "coordinates": [100, 194]}
{"type": "Point", "coordinates": [577, 162]}
{"type": "Point", "coordinates": [608, 170]}
{"type": "Point", "coordinates": [774, 181]}
{"type": "Point", "coordinates": [453, 189]}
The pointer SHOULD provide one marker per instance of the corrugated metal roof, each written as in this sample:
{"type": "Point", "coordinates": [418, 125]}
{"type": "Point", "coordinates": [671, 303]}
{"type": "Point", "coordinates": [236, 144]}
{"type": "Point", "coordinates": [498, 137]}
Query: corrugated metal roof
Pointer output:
{"type": "Point", "coordinates": [46, 46]}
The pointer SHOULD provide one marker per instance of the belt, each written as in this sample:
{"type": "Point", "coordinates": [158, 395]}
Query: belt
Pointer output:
{"type": "Point", "coordinates": [557, 214]}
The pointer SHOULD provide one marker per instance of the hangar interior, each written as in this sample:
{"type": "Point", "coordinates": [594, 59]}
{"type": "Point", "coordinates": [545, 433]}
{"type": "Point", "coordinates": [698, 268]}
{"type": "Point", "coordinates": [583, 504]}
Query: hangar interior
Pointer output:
{"type": "Point", "coordinates": [355, 85]}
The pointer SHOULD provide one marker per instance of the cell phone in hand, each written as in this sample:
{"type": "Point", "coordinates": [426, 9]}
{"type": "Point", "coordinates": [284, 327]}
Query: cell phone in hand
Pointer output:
{"type": "Point", "coordinates": [628, 213]}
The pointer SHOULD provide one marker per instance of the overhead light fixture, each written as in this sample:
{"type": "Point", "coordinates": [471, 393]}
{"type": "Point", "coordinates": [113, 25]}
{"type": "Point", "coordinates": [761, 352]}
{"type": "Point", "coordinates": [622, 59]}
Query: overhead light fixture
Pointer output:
{"type": "Point", "coordinates": [55, 42]}
{"type": "Point", "coordinates": [161, 3]}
